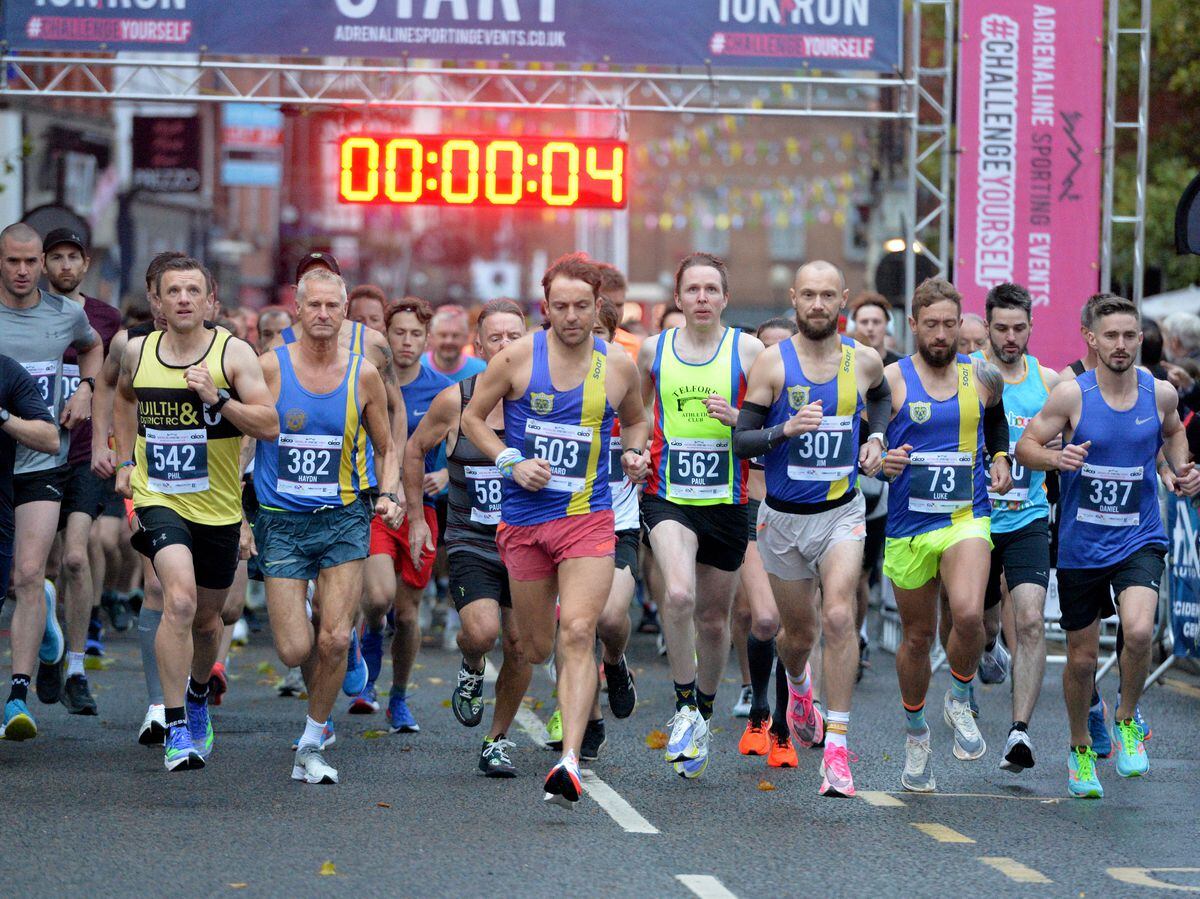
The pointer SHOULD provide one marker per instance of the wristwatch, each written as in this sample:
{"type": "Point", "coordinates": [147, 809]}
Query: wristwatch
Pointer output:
{"type": "Point", "coordinates": [222, 399]}
{"type": "Point", "coordinates": [4, 416]}
{"type": "Point", "coordinates": [91, 382]}
{"type": "Point", "coordinates": [390, 496]}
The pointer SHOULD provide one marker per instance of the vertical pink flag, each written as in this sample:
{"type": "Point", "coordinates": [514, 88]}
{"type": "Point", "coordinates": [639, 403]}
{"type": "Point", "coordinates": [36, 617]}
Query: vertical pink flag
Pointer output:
{"type": "Point", "coordinates": [1030, 128]}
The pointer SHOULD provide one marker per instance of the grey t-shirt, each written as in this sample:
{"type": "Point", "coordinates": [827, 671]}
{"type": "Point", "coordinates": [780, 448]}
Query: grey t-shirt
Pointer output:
{"type": "Point", "coordinates": [37, 338]}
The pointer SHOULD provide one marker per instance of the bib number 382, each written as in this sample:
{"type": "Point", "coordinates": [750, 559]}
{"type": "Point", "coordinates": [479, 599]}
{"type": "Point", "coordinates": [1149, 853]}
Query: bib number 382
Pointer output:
{"type": "Point", "coordinates": [565, 447]}
{"type": "Point", "coordinates": [308, 465]}
{"type": "Point", "coordinates": [698, 468]}
{"type": "Point", "coordinates": [1110, 496]}
{"type": "Point", "coordinates": [177, 461]}
{"type": "Point", "coordinates": [941, 482]}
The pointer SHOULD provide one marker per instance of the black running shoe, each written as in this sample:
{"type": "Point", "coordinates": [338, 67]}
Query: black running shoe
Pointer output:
{"type": "Point", "coordinates": [593, 741]}
{"type": "Point", "coordinates": [76, 696]}
{"type": "Point", "coordinates": [494, 760]}
{"type": "Point", "coordinates": [622, 692]}
{"type": "Point", "coordinates": [467, 698]}
{"type": "Point", "coordinates": [49, 682]}
{"type": "Point", "coordinates": [117, 608]}
{"type": "Point", "coordinates": [649, 623]}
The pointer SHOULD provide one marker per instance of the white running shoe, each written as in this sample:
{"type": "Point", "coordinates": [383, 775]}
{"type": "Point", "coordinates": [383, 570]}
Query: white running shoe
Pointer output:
{"type": "Point", "coordinates": [968, 741]}
{"type": "Point", "coordinates": [1018, 752]}
{"type": "Point", "coordinates": [741, 708]}
{"type": "Point", "coordinates": [994, 665]}
{"type": "Point", "coordinates": [311, 767]}
{"type": "Point", "coordinates": [292, 683]}
{"type": "Point", "coordinates": [154, 726]}
{"type": "Point", "coordinates": [918, 767]}
{"type": "Point", "coordinates": [689, 735]}
{"type": "Point", "coordinates": [241, 633]}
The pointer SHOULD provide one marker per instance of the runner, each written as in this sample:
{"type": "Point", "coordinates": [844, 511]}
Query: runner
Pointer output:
{"type": "Point", "coordinates": [557, 533]}
{"type": "Point", "coordinates": [36, 329]}
{"type": "Point", "coordinates": [945, 409]}
{"type": "Point", "coordinates": [972, 334]}
{"type": "Point", "coordinates": [478, 581]}
{"type": "Point", "coordinates": [810, 392]}
{"type": "Point", "coordinates": [613, 288]}
{"type": "Point", "coordinates": [1114, 420]}
{"type": "Point", "coordinates": [310, 524]}
{"type": "Point", "coordinates": [694, 505]}
{"type": "Point", "coordinates": [185, 396]}
{"type": "Point", "coordinates": [1020, 520]}
{"type": "Point", "coordinates": [368, 306]}
{"type": "Point", "coordinates": [448, 334]}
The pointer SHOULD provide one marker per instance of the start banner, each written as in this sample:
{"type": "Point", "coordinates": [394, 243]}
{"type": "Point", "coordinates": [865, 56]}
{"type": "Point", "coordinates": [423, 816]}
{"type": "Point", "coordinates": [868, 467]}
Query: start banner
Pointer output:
{"type": "Point", "coordinates": [823, 34]}
{"type": "Point", "coordinates": [1030, 128]}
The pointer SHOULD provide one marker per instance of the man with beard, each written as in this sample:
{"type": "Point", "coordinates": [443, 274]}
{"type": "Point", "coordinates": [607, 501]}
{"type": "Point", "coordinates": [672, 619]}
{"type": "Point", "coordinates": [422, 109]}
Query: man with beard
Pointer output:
{"type": "Point", "coordinates": [1114, 420]}
{"type": "Point", "coordinates": [810, 391]}
{"type": "Point", "coordinates": [945, 409]}
{"type": "Point", "coordinates": [1020, 521]}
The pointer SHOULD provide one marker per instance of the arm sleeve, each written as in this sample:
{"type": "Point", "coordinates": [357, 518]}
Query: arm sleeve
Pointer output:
{"type": "Point", "coordinates": [995, 428]}
{"type": "Point", "coordinates": [750, 438]}
{"type": "Point", "coordinates": [21, 395]}
{"type": "Point", "coordinates": [879, 407]}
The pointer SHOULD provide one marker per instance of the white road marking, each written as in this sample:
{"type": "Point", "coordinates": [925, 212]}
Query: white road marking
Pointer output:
{"type": "Point", "coordinates": [1014, 870]}
{"type": "Point", "coordinates": [532, 725]}
{"type": "Point", "coordinates": [618, 809]}
{"type": "Point", "coordinates": [942, 833]}
{"type": "Point", "coordinates": [705, 886]}
{"type": "Point", "coordinates": [1140, 877]}
{"type": "Point", "coordinates": [880, 799]}
{"type": "Point", "coordinates": [490, 671]}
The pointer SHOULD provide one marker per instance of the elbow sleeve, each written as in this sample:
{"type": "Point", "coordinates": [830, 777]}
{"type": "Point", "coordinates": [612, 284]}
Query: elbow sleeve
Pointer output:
{"type": "Point", "coordinates": [995, 428]}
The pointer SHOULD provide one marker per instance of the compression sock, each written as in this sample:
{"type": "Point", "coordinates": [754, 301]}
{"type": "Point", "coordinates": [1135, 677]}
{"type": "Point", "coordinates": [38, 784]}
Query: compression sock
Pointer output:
{"type": "Point", "coordinates": [914, 720]}
{"type": "Point", "coordinates": [704, 703]}
{"type": "Point", "coordinates": [760, 653]}
{"type": "Point", "coordinates": [960, 686]}
{"type": "Point", "coordinates": [685, 694]}
{"type": "Point", "coordinates": [372, 653]}
{"type": "Point", "coordinates": [779, 725]}
{"type": "Point", "coordinates": [148, 620]}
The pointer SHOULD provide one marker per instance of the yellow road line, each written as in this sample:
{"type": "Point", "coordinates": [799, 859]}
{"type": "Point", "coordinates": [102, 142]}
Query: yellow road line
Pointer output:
{"type": "Point", "coordinates": [1140, 877]}
{"type": "Point", "coordinates": [942, 833]}
{"type": "Point", "coordinates": [880, 799]}
{"type": "Point", "coordinates": [1182, 687]}
{"type": "Point", "coordinates": [1014, 870]}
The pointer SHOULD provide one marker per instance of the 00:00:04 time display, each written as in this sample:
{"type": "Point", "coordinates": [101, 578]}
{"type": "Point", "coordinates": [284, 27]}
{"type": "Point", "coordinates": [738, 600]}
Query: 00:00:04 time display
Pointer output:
{"type": "Point", "coordinates": [580, 173]}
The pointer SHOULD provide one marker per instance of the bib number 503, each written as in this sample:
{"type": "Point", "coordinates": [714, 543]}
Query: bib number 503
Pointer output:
{"type": "Point", "coordinates": [559, 453]}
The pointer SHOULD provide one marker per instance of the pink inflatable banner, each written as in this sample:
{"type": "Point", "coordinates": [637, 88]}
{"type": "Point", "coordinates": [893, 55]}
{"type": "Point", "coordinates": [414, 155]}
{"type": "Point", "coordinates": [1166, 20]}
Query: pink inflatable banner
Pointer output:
{"type": "Point", "coordinates": [1030, 127]}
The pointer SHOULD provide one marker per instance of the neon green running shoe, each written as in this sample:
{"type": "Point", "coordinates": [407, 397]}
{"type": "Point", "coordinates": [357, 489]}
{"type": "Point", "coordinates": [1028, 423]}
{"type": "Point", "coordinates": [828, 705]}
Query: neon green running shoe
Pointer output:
{"type": "Point", "coordinates": [1082, 781]}
{"type": "Point", "coordinates": [554, 734]}
{"type": "Point", "coordinates": [1129, 743]}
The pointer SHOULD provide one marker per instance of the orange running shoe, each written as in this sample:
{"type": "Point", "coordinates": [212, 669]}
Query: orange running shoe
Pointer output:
{"type": "Point", "coordinates": [754, 741]}
{"type": "Point", "coordinates": [782, 754]}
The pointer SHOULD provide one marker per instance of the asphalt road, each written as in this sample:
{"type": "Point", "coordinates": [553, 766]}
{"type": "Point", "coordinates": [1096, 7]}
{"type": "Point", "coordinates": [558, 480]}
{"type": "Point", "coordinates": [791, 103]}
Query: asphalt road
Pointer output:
{"type": "Point", "coordinates": [88, 810]}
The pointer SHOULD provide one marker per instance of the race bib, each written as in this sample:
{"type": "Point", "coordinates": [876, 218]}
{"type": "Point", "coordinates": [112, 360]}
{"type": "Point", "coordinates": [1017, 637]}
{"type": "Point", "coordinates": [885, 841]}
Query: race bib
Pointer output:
{"type": "Point", "coordinates": [177, 461]}
{"type": "Point", "coordinates": [616, 474]}
{"type": "Point", "coordinates": [565, 447]}
{"type": "Point", "coordinates": [940, 482]}
{"type": "Point", "coordinates": [45, 376]}
{"type": "Point", "coordinates": [826, 454]}
{"type": "Point", "coordinates": [1020, 483]}
{"type": "Point", "coordinates": [308, 465]}
{"type": "Point", "coordinates": [1110, 496]}
{"type": "Point", "coordinates": [483, 483]}
{"type": "Point", "coordinates": [70, 375]}
{"type": "Point", "coordinates": [698, 468]}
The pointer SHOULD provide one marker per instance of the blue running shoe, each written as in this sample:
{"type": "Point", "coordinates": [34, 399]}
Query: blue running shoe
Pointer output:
{"type": "Point", "coordinates": [688, 729]}
{"type": "Point", "coordinates": [366, 702]}
{"type": "Point", "coordinates": [1137, 716]}
{"type": "Point", "coordinates": [1082, 781]}
{"type": "Point", "coordinates": [18, 723]}
{"type": "Point", "coordinates": [328, 737]}
{"type": "Point", "coordinates": [1101, 744]}
{"type": "Point", "coordinates": [691, 768]}
{"type": "Point", "coordinates": [179, 752]}
{"type": "Point", "coordinates": [1129, 743]}
{"type": "Point", "coordinates": [95, 637]}
{"type": "Point", "coordinates": [399, 718]}
{"type": "Point", "coordinates": [53, 646]}
{"type": "Point", "coordinates": [355, 680]}
{"type": "Point", "coordinates": [199, 725]}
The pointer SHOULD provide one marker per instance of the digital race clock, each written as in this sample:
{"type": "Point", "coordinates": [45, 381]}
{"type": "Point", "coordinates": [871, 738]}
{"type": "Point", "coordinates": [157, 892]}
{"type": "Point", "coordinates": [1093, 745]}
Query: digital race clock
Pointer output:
{"type": "Point", "coordinates": [448, 170]}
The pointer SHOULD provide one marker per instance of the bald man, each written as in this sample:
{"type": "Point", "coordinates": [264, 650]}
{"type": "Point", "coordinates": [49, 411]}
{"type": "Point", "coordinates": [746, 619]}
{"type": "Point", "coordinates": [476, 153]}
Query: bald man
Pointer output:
{"type": "Point", "coordinates": [972, 334]}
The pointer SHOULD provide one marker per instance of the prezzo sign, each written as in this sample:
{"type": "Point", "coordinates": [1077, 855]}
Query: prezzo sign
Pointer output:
{"type": "Point", "coordinates": [166, 153]}
{"type": "Point", "coordinates": [826, 34]}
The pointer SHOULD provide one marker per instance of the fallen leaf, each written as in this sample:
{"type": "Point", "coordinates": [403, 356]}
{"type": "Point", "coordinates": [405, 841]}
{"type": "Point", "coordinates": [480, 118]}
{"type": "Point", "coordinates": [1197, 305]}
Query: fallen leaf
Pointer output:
{"type": "Point", "coordinates": [766, 786]}
{"type": "Point", "coordinates": [406, 749]}
{"type": "Point", "coordinates": [417, 666]}
{"type": "Point", "coordinates": [238, 886]}
{"type": "Point", "coordinates": [435, 680]}
{"type": "Point", "coordinates": [538, 704]}
{"type": "Point", "coordinates": [718, 730]}
{"type": "Point", "coordinates": [656, 739]}
{"type": "Point", "coordinates": [384, 804]}
{"type": "Point", "coordinates": [327, 870]}
{"type": "Point", "coordinates": [265, 668]}
{"type": "Point", "coordinates": [374, 734]}
{"type": "Point", "coordinates": [445, 703]}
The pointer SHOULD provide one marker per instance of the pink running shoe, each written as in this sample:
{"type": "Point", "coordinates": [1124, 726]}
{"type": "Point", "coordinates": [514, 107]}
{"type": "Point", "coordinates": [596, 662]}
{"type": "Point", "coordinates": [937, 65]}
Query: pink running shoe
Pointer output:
{"type": "Point", "coordinates": [836, 779]}
{"type": "Point", "coordinates": [806, 723]}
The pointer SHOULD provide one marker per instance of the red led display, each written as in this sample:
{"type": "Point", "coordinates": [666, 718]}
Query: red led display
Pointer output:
{"type": "Point", "coordinates": [493, 172]}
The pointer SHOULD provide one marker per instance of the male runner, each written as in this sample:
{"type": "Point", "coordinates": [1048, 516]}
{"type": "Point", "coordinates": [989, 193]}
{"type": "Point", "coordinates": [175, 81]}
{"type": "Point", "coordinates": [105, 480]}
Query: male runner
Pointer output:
{"type": "Point", "coordinates": [945, 409]}
{"type": "Point", "coordinates": [368, 306]}
{"type": "Point", "coordinates": [310, 524]}
{"type": "Point", "coordinates": [1114, 420]}
{"type": "Point", "coordinates": [1020, 518]}
{"type": "Point", "coordinates": [810, 392]}
{"type": "Point", "coordinates": [448, 337]}
{"type": "Point", "coordinates": [871, 314]}
{"type": "Point", "coordinates": [694, 505]}
{"type": "Point", "coordinates": [478, 581]}
{"type": "Point", "coordinates": [67, 262]}
{"type": "Point", "coordinates": [560, 388]}
{"type": "Point", "coordinates": [36, 329]}
{"type": "Point", "coordinates": [613, 287]}
{"type": "Point", "coordinates": [184, 398]}
{"type": "Point", "coordinates": [972, 334]}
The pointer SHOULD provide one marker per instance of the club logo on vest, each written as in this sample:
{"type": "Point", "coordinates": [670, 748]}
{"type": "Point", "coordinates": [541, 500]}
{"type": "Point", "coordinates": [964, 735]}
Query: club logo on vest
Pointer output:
{"type": "Point", "coordinates": [542, 403]}
{"type": "Point", "coordinates": [798, 396]}
{"type": "Point", "coordinates": [919, 412]}
{"type": "Point", "coordinates": [295, 419]}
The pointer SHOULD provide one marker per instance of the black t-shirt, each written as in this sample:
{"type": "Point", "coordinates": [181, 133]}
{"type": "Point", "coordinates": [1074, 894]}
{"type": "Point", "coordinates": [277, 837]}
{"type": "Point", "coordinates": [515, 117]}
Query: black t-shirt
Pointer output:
{"type": "Point", "coordinates": [20, 396]}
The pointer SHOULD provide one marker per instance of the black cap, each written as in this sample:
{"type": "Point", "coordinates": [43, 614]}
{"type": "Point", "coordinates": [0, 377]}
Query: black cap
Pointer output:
{"type": "Point", "coordinates": [312, 259]}
{"type": "Point", "coordinates": [63, 235]}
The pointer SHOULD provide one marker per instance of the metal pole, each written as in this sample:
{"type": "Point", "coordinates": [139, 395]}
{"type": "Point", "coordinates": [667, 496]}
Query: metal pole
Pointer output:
{"type": "Point", "coordinates": [948, 150]}
{"type": "Point", "coordinates": [1143, 118]}
{"type": "Point", "coordinates": [1110, 136]}
{"type": "Point", "coordinates": [913, 95]}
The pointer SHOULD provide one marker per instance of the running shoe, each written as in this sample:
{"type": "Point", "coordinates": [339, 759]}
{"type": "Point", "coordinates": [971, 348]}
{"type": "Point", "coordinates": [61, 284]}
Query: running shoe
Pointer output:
{"type": "Point", "coordinates": [593, 741]}
{"type": "Point", "coordinates": [836, 780]}
{"type": "Point", "coordinates": [53, 646]}
{"type": "Point", "coordinates": [310, 767]}
{"type": "Point", "coordinates": [649, 623]}
{"type": "Point", "coordinates": [200, 727]}
{"type": "Point", "coordinates": [564, 784]}
{"type": "Point", "coordinates": [154, 726]}
{"type": "Point", "coordinates": [356, 677]}
{"type": "Point", "coordinates": [782, 753]}
{"type": "Point", "coordinates": [400, 719]}
{"type": "Point", "coordinates": [366, 702]}
{"type": "Point", "coordinates": [48, 684]}
{"type": "Point", "coordinates": [687, 728]}
{"type": "Point", "coordinates": [1142, 723]}
{"type": "Point", "coordinates": [1129, 742]}
{"type": "Point", "coordinates": [77, 697]}
{"type": "Point", "coordinates": [554, 731]}
{"type": "Point", "coordinates": [1018, 752]}
{"type": "Point", "coordinates": [968, 741]}
{"type": "Point", "coordinates": [622, 691]}
{"type": "Point", "coordinates": [741, 708]}
{"type": "Point", "coordinates": [467, 699]}
{"type": "Point", "coordinates": [18, 723]}
{"type": "Point", "coordinates": [179, 752]}
{"type": "Point", "coordinates": [691, 768]}
{"type": "Point", "coordinates": [804, 720]}
{"type": "Point", "coordinates": [241, 633]}
{"type": "Point", "coordinates": [1082, 781]}
{"type": "Point", "coordinates": [1098, 729]}
{"type": "Point", "coordinates": [328, 737]}
{"type": "Point", "coordinates": [660, 643]}
{"type": "Point", "coordinates": [116, 607]}
{"type": "Point", "coordinates": [494, 760]}
{"type": "Point", "coordinates": [95, 636]}
{"type": "Point", "coordinates": [918, 765]}
{"type": "Point", "coordinates": [218, 683]}
{"type": "Point", "coordinates": [755, 740]}
{"type": "Point", "coordinates": [292, 683]}
{"type": "Point", "coordinates": [995, 664]}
